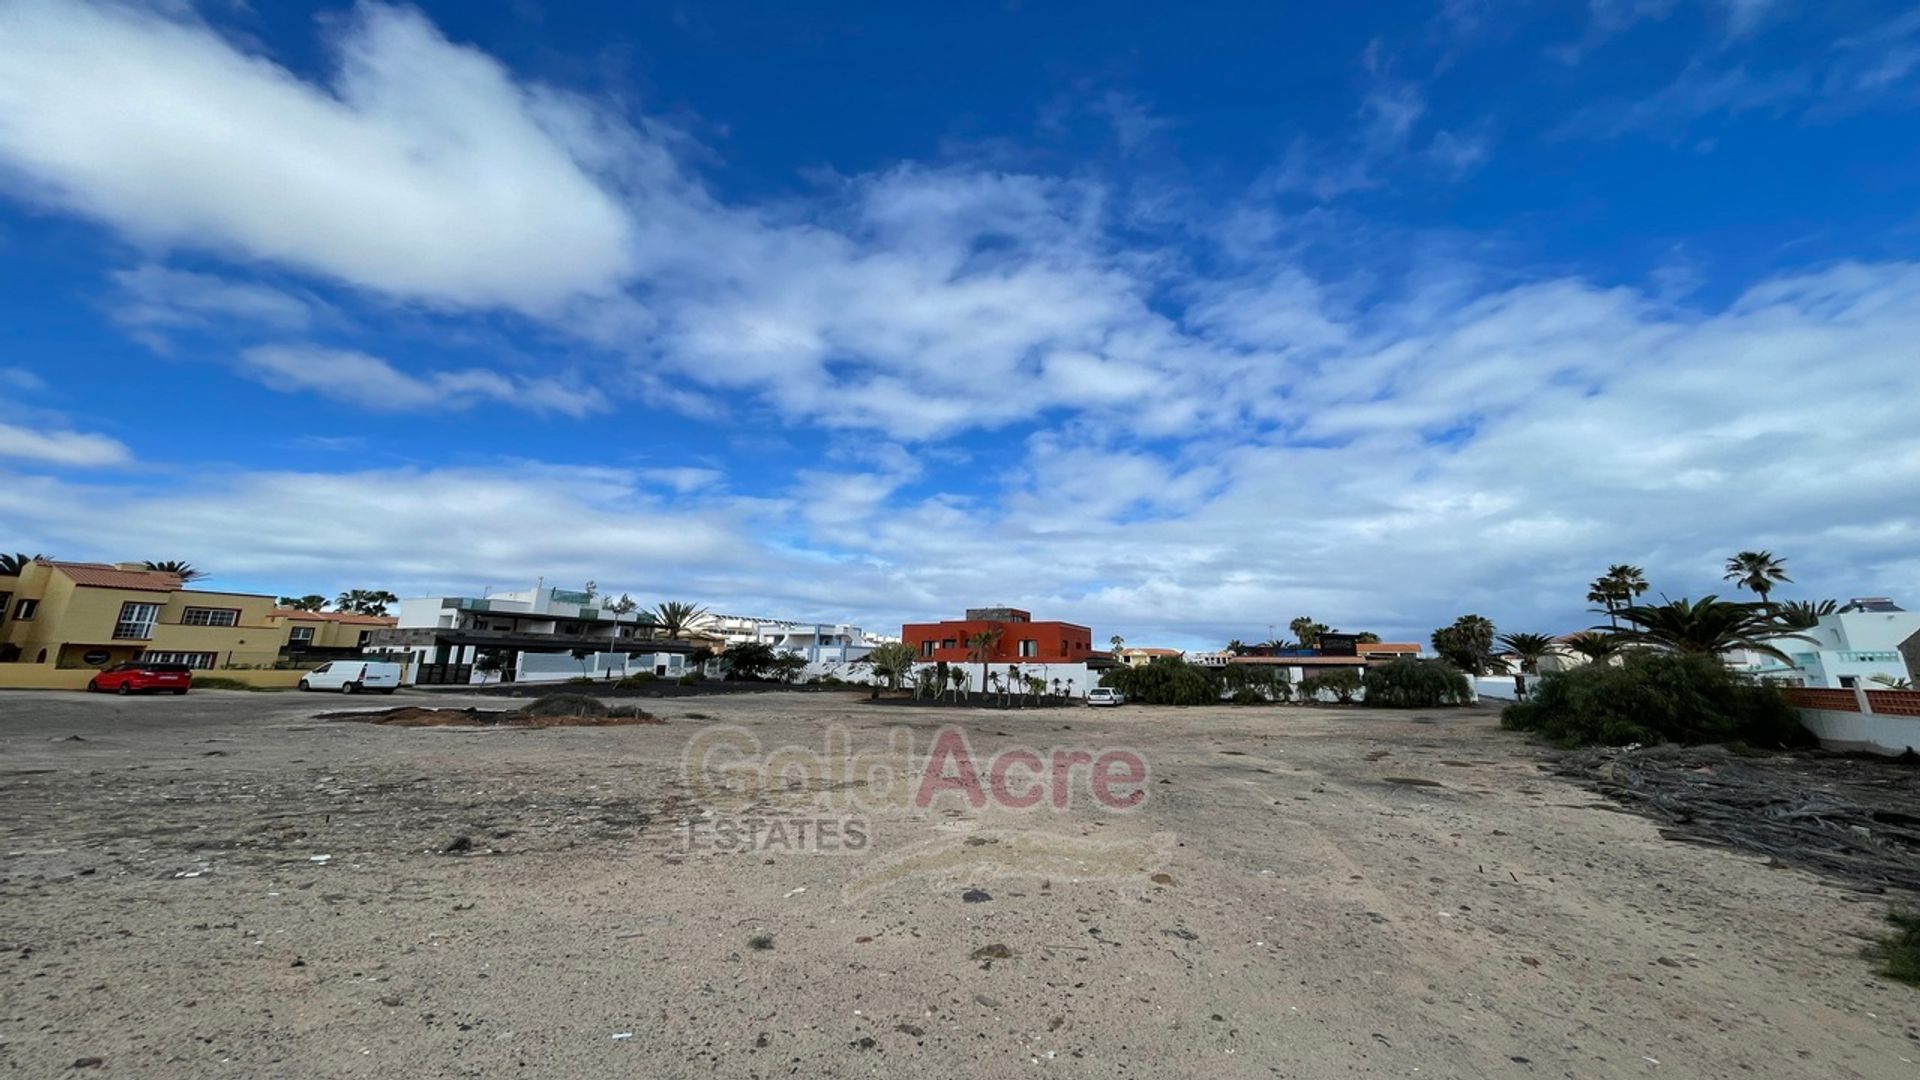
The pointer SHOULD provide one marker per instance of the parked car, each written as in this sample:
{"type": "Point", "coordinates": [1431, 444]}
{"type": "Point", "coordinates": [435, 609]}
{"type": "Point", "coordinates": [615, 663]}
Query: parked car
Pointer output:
{"type": "Point", "coordinates": [135, 677]}
{"type": "Point", "coordinates": [353, 676]}
{"type": "Point", "coordinates": [1105, 695]}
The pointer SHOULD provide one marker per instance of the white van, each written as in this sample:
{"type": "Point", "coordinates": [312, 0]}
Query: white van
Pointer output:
{"type": "Point", "coordinates": [353, 676]}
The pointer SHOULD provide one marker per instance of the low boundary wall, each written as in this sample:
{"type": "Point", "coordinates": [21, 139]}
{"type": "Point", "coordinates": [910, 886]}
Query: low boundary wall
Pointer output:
{"type": "Point", "coordinates": [1873, 721]}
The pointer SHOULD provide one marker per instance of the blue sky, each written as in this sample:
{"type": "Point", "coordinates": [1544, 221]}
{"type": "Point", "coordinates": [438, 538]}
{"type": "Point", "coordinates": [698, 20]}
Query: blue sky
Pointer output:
{"type": "Point", "coordinates": [1177, 323]}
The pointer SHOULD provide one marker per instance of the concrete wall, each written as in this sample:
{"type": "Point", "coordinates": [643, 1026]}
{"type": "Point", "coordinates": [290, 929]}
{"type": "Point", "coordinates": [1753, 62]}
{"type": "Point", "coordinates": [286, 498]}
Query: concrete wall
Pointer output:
{"type": "Point", "coordinates": [1873, 721]}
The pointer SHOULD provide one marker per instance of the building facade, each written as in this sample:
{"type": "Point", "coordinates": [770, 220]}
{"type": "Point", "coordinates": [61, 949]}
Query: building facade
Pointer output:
{"type": "Point", "coordinates": [1020, 638]}
{"type": "Point", "coordinates": [455, 639]}
{"type": "Point", "coordinates": [1856, 645]}
{"type": "Point", "coordinates": [325, 635]}
{"type": "Point", "coordinates": [93, 615]}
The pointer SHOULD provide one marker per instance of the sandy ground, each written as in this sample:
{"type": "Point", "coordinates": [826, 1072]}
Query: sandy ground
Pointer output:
{"type": "Point", "coordinates": [220, 885]}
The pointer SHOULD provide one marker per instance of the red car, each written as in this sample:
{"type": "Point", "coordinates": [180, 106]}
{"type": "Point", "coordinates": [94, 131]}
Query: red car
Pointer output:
{"type": "Point", "coordinates": [136, 677]}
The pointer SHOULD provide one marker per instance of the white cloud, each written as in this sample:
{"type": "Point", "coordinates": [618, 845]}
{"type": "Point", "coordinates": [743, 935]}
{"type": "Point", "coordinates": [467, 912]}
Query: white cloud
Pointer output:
{"type": "Point", "coordinates": [155, 296]}
{"type": "Point", "coordinates": [370, 382]}
{"type": "Point", "coordinates": [71, 448]}
{"type": "Point", "coordinates": [423, 171]}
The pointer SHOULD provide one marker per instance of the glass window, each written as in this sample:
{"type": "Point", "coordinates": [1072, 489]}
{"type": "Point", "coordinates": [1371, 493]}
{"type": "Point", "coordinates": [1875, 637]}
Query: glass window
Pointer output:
{"type": "Point", "coordinates": [206, 616]}
{"type": "Point", "coordinates": [4, 598]}
{"type": "Point", "coordinates": [1029, 647]}
{"type": "Point", "coordinates": [136, 621]}
{"type": "Point", "coordinates": [201, 660]}
{"type": "Point", "coordinates": [300, 635]}
{"type": "Point", "coordinates": [25, 609]}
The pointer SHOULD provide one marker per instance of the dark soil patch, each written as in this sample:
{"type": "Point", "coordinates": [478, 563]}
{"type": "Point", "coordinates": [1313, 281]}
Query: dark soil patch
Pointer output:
{"type": "Point", "coordinates": [664, 688]}
{"type": "Point", "coordinates": [413, 716]}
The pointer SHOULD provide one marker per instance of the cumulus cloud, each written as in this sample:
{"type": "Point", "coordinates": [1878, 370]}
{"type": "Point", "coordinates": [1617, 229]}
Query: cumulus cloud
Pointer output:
{"type": "Point", "coordinates": [421, 171]}
{"type": "Point", "coordinates": [372, 383]}
{"type": "Point", "coordinates": [71, 448]}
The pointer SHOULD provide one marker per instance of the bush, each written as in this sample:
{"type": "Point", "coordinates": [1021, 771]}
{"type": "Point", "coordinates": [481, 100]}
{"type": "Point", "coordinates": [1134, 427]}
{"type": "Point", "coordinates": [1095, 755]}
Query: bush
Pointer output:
{"type": "Point", "coordinates": [1166, 681]}
{"type": "Point", "coordinates": [1899, 952]}
{"type": "Point", "coordinates": [583, 680]}
{"type": "Point", "coordinates": [689, 679]}
{"type": "Point", "coordinates": [1416, 684]}
{"type": "Point", "coordinates": [219, 682]}
{"type": "Point", "coordinates": [1341, 682]}
{"type": "Point", "coordinates": [565, 705]}
{"type": "Point", "coordinates": [1247, 695]}
{"type": "Point", "coordinates": [1656, 697]}
{"type": "Point", "coordinates": [1267, 681]}
{"type": "Point", "coordinates": [636, 680]}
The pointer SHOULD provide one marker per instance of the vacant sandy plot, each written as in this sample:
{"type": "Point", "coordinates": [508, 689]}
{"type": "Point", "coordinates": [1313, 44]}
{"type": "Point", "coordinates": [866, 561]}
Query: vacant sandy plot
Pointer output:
{"type": "Point", "coordinates": [220, 885]}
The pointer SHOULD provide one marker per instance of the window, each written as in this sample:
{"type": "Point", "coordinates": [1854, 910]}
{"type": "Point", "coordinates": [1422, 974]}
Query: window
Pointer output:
{"type": "Point", "coordinates": [1029, 647]}
{"type": "Point", "coordinates": [926, 647]}
{"type": "Point", "coordinates": [209, 616]}
{"type": "Point", "coordinates": [300, 635]}
{"type": "Point", "coordinates": [4, 597]}
{"type": "Point", "coordinates": [201, 660]}
{"type": "Point", "coordinates": [26, 609]}
{"type": "Point", "coordinates": [1064, 645]}
{"type": "Point", "coordinates": [136, 621]}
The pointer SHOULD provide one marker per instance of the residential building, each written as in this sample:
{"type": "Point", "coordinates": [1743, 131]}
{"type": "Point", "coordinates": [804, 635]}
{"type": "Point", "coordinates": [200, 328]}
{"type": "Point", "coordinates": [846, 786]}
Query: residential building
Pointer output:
{"type": "Point", "coordinates": [817, 643]}
{"type": "Point", "coordinates": [92, 615]}
{"type": "Point", "coordinates": [1021, 638]}
{"type": "Point", "coordinates": [445, 636]}
{"type": "Point", "coordinates": [324, 635]}
{"type": "Point", "coordinates": [1857, 645]}
{"type": "Point", "coordinates": [1141, 657]}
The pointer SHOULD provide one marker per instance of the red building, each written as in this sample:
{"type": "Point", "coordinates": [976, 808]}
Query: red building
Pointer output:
{"type": "Point", "coordinates": [1020, 638]}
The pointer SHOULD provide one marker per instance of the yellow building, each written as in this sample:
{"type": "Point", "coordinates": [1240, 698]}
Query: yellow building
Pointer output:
{"type": "Point", "coordinates": [92, 615]}
{"type": "Point", "coordinates": [320, 635]}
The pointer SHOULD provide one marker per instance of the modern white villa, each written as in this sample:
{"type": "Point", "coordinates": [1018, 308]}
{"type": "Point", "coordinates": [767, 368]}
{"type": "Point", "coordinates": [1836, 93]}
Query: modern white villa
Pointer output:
{"type": "Point", "coordinates": [1856, 645]}
{"type": "Point", "coordinates": [537, 632]}
{"type": "Point", "coordinates": [820, 644]}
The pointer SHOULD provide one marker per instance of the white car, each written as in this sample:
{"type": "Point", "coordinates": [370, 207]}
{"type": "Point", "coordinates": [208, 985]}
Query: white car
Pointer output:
{"type": "Point", "coordinates": [353, 676]}
{"type": "Point", "coordinates": [1104, 695]}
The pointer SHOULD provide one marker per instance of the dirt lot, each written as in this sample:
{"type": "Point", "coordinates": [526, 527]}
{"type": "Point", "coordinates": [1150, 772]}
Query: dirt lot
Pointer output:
{"type": "Point", "coordinates": [220, 885]}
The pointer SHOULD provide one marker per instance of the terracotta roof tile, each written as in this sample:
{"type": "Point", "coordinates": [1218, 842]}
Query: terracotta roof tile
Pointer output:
{"type": "Point", "coordinates": [102, 576]}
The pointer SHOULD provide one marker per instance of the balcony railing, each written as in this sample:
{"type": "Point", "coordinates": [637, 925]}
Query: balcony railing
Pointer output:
{"type": "Point", "coordinates": [127, 631]}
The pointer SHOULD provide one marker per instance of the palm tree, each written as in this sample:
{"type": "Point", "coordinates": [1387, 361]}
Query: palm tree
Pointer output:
{"type": "Point", "coordinates": [1891, 682]}
{"type": "Point", "coordinates": [1529, 648]}
{"type": "Point", "coordinates": [957, 678]}
{"type": "Point", "coordinates": [1616, 589]}
{"type": "Point", "coordinates": [1711, 627]}
{"type": "Point", "coordinates": [1236, 646]}
{"type": "Point", "coordinates": [673, 616]}
{"type": "Point", "coordinates": [184, 571]}
{"type": "Point", "coordinates": [980, 648]}
{"type": "Point", "coordinates": [12, 565]}
{"type": "Point", "coordinates": [1803, 614]}
{"type": "Point", "coordinates": [1596, 647]}
{"type": "Point", "coordinates": [1756, 570]}
{"type": "Point", "coordinates": [365, 601]}
{"type": "Point", "coordinates": [309, 602]}
{"type": "Point", "coordinates": [1308, 631]}
{"type": "Point", "coordinates": [892, 662]}
{"type": "Point", "coordinates": [1117, 642]}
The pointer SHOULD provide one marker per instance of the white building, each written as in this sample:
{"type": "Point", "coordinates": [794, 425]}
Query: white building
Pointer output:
{"type": "Point", "coordinates": [540, 634]}
{"type": "Point", "coordinates": [825, 646]}
{"type": "Point", "coordinates": [1850, 647]}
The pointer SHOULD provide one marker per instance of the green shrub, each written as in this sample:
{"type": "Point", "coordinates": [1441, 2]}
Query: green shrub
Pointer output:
{"type": "Point", "coordinates": [565, 705]}
{"type": "Point", "coordinates": [583, 680]}
{"type": "Point", "coordinates": [1899, 952]}
{"type": "Point", "coordinates": [637, 679]}
{"type": "Point", "coordinates": [689, 679]}
{"type": "Point", "coordinates": [1653, 697]}
{"type": "Point", "coordinates": [1269, 681]}
{"type": "Point", "coordinates": [1247, 695]}
{"type": "Point", "coordinates": [1165, 681]}
{"type": "Point", "coordinates": [219, 682]}
{"type": "Point", "coordinates": [1341, 682]}
{"type": "Point", "coordinates": [1416, 684]}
